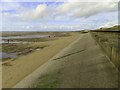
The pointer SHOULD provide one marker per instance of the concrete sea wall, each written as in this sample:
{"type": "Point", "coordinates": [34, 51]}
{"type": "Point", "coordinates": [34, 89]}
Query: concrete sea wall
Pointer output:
{"type": "Point", "coordinates": [113, 52]}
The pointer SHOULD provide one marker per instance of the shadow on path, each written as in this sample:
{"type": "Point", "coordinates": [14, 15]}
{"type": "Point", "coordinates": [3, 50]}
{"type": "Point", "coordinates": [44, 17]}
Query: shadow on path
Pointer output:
{"type": "Point", "coordinates": [69, 54]}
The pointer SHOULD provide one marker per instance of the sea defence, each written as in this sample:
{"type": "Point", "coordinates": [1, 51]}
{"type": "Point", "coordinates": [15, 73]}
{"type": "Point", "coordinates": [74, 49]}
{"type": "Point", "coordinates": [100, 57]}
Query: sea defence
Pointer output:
{"type": "Point", "coordinates": [82, 64]}
{"type": "Point", "coordinates": [111, 50]}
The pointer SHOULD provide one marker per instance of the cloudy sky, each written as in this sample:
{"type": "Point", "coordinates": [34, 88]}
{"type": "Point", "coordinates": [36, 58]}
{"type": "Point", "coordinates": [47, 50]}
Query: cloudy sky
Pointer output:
{"type": "Point", "coordinates": [57, 15]}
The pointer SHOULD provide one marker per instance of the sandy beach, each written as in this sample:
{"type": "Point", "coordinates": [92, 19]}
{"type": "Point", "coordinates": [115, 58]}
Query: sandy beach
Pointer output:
{"type": "Point", "coordinates": [26, 64]}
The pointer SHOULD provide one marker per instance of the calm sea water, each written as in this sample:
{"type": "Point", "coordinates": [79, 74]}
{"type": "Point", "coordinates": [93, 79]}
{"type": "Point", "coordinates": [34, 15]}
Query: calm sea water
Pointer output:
{"type": "Point", "coordinates": [21, 37]}
{"type": "Point", "coordinates": [26, 36]}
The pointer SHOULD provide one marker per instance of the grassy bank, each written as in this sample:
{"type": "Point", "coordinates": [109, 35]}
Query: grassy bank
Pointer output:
{"type": "Point", "coordinates": [109, 42]}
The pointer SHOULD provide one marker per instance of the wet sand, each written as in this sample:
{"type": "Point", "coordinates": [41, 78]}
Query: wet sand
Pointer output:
{"type": "Point", "coordinates": [26, 64]}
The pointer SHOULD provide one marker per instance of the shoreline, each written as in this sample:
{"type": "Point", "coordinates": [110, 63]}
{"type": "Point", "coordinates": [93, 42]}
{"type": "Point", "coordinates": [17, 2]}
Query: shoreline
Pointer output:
{"type": "Point", "coordinates": [24, 65]}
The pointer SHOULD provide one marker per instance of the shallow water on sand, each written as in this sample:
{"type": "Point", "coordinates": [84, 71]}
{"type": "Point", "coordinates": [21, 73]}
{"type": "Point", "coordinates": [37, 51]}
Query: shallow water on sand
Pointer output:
{"type": "Point", "coordinates": [7, 55]}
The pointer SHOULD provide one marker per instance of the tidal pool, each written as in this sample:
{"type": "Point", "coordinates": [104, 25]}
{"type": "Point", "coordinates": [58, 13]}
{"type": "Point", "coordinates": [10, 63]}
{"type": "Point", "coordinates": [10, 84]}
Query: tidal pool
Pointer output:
{"type": "Point", "coordinates": [4, 55]}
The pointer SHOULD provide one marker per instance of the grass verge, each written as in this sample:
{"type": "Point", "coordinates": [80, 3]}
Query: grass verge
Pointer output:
{"type": "Point", "coordinates": [50, 80]}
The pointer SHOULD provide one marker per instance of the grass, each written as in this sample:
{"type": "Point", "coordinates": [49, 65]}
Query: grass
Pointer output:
{"type": "Point", "coordinates": [10, 48]}
{"type": "Point", "coordinates": [50, 80]}
{"type": "Point", "coordinates": [114, 28]}
{"type": "Point", "coordinates": [34, 39]}
{"type": "Point", "coordinates": [4, 59]}
{"type": "Point", "coordinates": [109, 41]}
{"type": "Point", "coordinates": [15, 33]}
{"type": "Point", "coordinates": [20, 49]}
{"type": "Point", "coordinates": [110, 38]}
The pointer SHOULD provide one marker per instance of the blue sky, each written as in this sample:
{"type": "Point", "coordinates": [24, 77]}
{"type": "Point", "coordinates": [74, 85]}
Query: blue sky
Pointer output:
{"type": "Point", "coordinates": [41, 16]}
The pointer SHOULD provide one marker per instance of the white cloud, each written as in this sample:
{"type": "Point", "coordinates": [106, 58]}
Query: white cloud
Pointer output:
{"type": "Point", "coordinates": [27, 27]}
{"type": "Point", "coordinates": [83, 9]}
{"type": "Point", "coordinates": [58, 0]}
{"type": "Point", "coordinates": [38, 12]}
{"type": "Point", "coordinates": [72, 9]}
{"type": "Point", "coordinates": [107, 25]}
{"type": "Point", "coordinates": [69, 9]}
{"type": "Point", "coordinates": [68, 12]}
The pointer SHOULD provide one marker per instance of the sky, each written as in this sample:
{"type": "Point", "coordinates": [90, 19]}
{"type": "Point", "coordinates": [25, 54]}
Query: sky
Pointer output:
{"type": "Point", "coordinates": [57, 15]}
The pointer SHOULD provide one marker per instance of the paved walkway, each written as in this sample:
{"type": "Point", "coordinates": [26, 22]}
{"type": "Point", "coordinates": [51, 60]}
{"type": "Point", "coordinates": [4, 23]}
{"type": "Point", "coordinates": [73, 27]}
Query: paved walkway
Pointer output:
{"type": "Point", "coordinates": [86, 66]}
{"type": "Point", "coordinates": [82, 65]}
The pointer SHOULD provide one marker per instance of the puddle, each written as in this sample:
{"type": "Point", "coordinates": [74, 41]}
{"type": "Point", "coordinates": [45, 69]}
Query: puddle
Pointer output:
{"type": "Point", "coordinates": [4, 55]}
